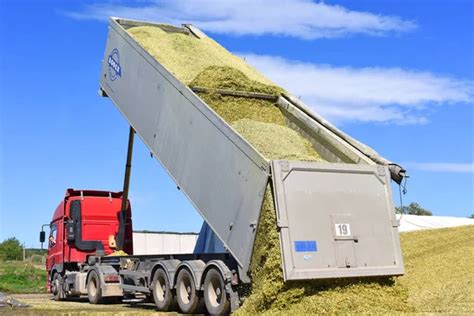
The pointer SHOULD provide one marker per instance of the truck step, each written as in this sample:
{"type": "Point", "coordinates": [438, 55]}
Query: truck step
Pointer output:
{"type": "Point", "coordinates": [134, 288]}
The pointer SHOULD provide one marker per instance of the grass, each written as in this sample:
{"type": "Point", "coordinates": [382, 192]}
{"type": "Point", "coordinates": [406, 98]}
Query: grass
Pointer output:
{"type": "Point", "coordinates": [21, 277]}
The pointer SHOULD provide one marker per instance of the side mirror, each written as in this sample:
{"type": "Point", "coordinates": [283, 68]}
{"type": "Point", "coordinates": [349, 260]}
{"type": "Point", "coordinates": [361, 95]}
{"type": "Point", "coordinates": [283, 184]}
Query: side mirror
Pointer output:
{"type": "Point", "coordinates": [70, 233]}
{"type": "Point", "coordinates": [42, 236]}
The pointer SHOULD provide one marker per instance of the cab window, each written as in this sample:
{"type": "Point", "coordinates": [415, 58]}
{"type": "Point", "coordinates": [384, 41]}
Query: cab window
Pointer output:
{"type": "Point", "coordinates": [53, 235]}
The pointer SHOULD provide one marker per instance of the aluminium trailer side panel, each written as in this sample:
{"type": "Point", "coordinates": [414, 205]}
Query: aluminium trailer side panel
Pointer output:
{"type": "Point", "coordinates": [221, 174]}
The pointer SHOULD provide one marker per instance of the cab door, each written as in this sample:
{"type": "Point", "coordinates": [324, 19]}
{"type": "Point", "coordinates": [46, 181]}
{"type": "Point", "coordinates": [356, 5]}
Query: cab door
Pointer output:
{"type": "Point", "coordinates": [55, 244]}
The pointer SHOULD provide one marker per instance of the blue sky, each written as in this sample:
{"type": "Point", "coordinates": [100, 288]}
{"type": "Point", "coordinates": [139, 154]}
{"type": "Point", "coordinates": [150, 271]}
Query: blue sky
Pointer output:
{"type": "Point", "coordinates": [397, 75]}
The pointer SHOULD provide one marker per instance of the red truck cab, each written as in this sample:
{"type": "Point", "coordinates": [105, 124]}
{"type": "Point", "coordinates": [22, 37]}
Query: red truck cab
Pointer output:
{"type": "Point", "coordinates": [85, 225]}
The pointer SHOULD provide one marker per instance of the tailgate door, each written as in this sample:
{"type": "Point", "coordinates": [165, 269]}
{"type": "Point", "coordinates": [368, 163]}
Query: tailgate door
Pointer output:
{"type": "Point", "coordinates": [335, 220]}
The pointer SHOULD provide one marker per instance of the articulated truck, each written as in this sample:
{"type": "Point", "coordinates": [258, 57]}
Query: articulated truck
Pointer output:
{"type": "Point", "coordinates": [335, 218]}
{"type": "Point", "coordinates": [82, 259]}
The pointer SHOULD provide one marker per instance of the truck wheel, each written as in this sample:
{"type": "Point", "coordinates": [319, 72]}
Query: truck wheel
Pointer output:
{"type": "Point", "coordinates": [186, 295]}
{"type": "Point", "coordinates": [215, 296]}
{"type": "Point", "coordinates": [57, 287]}
{"type": "Point", "coordinates": [162, 294]}
{"type": "Point", "coordinates": [94, 291]}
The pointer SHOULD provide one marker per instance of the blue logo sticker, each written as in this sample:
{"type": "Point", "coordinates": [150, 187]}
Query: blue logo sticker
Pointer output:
{"type": "Point", "coordinates": [306, 246]}
{"type": "Point", "coordinates": [115, 70]}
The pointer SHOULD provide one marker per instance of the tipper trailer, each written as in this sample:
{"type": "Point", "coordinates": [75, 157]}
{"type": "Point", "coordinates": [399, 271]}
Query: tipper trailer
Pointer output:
{"type": "Point", "coordinates": [335, 218]}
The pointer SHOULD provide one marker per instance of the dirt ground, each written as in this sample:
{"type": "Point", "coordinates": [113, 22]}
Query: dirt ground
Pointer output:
{"type": "Point", "coordinates": [42, 304]}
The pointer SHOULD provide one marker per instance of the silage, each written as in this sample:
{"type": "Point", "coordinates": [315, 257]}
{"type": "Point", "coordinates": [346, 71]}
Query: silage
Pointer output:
{"type": "Point", "coordinates": [232, 108]}
{"type": "Point", "coordinates": [186, 56]}
{"type": "Point", "coordinates": [230, 78]}
{"type": "Point", "coordinates": [276, 141]}
{"type": "Point", "coordinates": [439, 277]}
{"type": "Point", "coordinates": [117, 253]}
{"type": "Point", "coordinates": [259, 121]}
{"type": "Point", "coordinates": [439, 269]}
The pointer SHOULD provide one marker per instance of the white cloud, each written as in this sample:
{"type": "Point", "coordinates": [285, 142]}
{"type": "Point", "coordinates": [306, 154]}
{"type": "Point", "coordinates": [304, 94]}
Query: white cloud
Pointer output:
{"type": "Point", "coordinates": [441, 167]}
{"type": "Point", "coordinates": [365, 94]}
{"type": "Point", "coordinates": [297, 18]}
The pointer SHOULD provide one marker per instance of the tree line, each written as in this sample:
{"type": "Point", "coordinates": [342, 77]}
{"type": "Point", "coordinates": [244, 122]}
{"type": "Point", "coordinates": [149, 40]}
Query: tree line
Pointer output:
{"type": "Point", "coordinates": [11, 249]}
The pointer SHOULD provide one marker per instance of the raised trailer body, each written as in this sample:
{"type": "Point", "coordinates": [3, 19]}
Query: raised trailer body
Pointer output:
{"type": "Point", "coordinates": [225, 177]}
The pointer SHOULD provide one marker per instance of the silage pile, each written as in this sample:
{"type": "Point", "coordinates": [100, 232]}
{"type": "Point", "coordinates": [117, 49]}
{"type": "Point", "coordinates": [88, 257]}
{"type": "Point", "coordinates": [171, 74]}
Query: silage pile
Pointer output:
{"type": "Point", "coordinates": [439, 277]}
{"type": "Point", "coordinates": [439, 266]}
{"type": "Point", "coordinates": [204, 63]}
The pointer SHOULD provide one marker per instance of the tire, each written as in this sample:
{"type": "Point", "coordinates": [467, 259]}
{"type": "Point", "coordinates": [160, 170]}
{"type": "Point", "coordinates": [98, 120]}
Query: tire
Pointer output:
{"type": "Point", "coordinates": [162, 295]}
{"type": "Point", "coordinates": [94, 291]}
{"type": "Point", "coordinates": [186, 294]}
{"type": "Point", "coordinates": [215, 295]}
{"type": "Point", "coordinates": [57, 287]}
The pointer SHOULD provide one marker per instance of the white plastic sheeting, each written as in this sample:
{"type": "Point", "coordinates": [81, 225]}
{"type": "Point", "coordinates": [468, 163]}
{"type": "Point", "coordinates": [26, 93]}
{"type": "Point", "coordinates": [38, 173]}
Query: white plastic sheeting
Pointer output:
{"type": "Point", "coordinates": [159, 243]}
{"type": "Point", "coordinates": [148, 243]}
{"type": "Point", "coordinates": [415, 222]}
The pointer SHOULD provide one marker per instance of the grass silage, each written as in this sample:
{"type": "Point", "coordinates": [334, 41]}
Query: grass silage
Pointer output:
{"type": "Point", "coordinates": [276, 141]}
{"type": "Point", "coordinates": [439, 275]}
{"type": "Point", "coordinates": [186, 56]}
{"type": "Point", "coordinates": [259, 121]}
{"type": "Point", "coordinates": [439, 266]}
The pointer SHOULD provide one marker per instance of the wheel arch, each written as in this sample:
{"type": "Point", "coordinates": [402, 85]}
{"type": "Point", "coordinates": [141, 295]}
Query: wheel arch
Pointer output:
{"type": "Point", "coordinates": [57, 268]}
{"type": "Point", "coordinates": [93, 269]}
{"type": "Point", "coordinates": [195, 267]}
{"type": "Point", "coordinates": [101, 270]}
{"type": "Point", "coordinates": [221, 267]}
{"type": "Point", "coordinates": [227, 276]}
{"type": "Point", "coordinates": [170, 267]}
